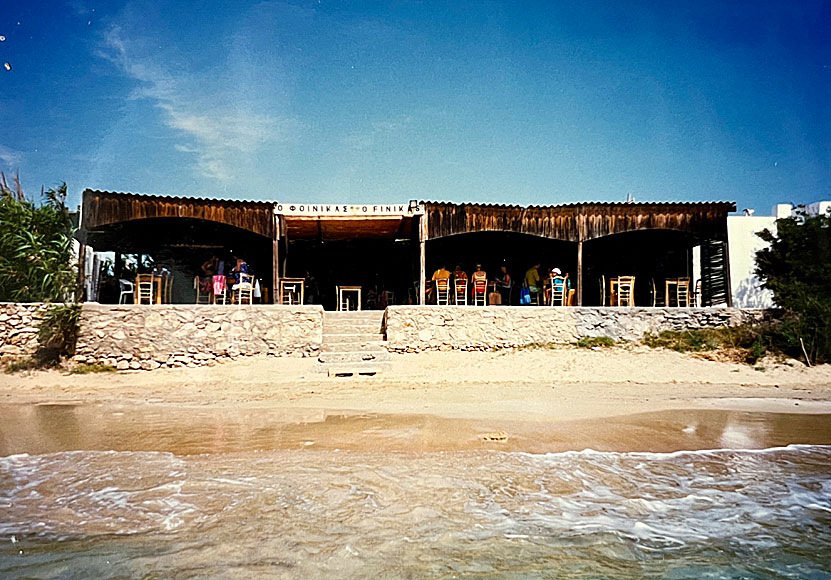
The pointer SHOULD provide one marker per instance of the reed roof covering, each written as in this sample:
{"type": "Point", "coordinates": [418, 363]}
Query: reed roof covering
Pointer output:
{"type": "Point", "coordinates": [579, 221]}
{"type": "Point", "coordinates": [102, 208]}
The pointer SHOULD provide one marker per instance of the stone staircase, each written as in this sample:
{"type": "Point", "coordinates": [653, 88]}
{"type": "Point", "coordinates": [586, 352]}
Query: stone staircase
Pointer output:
{"type": "Point", "coordinates": [353, 344]}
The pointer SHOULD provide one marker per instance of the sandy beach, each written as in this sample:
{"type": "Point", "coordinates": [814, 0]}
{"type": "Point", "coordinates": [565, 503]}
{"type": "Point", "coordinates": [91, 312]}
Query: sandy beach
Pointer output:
{"type": "Point", "coordinates": [527, 400]}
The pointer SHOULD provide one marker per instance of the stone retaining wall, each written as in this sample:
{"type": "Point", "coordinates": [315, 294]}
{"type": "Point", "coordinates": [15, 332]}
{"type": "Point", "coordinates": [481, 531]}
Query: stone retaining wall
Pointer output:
{"type": "Point", "coordinates": [147, 337]}
{"type": "Point", "coordinates": [19, 329]}
{"type": "Point", "coordinates": [413, 329]}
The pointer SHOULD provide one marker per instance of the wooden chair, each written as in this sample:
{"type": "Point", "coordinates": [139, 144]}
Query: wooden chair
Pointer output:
{"type": "Point", "coordinates": [626, 291]}
{"type": "Point", "coordinates": [167, 288]}
{"type": "Point", "coordinates": [460, 291]}
{"type": "Point", "coordinates": [657, 299]}
{"type": "Point", "coordinates": [144, 287]}
{"type": "Point", "coordinates": [535, 296]}
{"type": "Point", "coordinates": [203, 294]}
{"type": "Point", "coordinates": [443, 292]}
{"type": "Point", "coordinates": [697, 294]}
{"type": "Point", "coordinates": [244, 289]}
{"type": "Point", "coordinates": [219, 287]}
{"type": "Point", "coordinates": [291, 291]}
{"type": "Point", "coordinates": [480, 292]}
{"type": "Point", "coordinates": [557, 289]}
{"type": "Point", "coordinates": [682, 292]}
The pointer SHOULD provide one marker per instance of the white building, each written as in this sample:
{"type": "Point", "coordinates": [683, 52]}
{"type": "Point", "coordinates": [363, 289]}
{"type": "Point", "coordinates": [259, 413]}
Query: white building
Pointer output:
{"type": "Point", "coordinates": [744, 243]}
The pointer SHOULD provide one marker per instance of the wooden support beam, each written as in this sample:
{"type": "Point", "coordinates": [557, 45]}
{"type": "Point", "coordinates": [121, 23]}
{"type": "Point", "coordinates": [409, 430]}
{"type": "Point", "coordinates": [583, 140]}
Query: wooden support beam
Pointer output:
{"type": "Point", "coordinates": [275, 261]}
{"type": "Point", "coordinates": [580, 273]}
{"type": "Point", "coordinates": [727, 283]}
{"type": "Point", "coordinates": [422, 261]}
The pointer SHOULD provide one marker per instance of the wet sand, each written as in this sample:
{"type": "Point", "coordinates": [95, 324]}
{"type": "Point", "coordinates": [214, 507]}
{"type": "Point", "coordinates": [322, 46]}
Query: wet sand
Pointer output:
{"type": "Point", "coordinates": [535, 401]}
{"type": "Point", "coordinates": [41, 429]}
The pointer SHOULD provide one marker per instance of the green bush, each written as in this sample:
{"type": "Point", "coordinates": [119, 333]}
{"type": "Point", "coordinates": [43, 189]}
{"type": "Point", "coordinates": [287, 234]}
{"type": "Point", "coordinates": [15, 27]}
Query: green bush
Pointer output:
{"type": "Point", "coordinates": [35, 247]}
{"type": "Point", "coordinates": [796, 267]}
{"type": "Point", "coordinates": [57, 333]}
{"type": "Point", "coordinates": [85, 369]}
{"type": "Point", "coordinates": [748, 342]}
{"type": "Point", "coordinates": [593, 341]}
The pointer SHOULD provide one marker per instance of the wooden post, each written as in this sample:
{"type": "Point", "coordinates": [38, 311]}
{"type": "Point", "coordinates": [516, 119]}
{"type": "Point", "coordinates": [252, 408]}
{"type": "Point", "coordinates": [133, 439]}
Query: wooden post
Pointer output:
{"type": "Point", "coordinates": [579, 272]}
{"type": "Point", "coordinates": [580, 222]}
{"type": "Point", "coordinates": [275, 261]}
{"type": "Point", "coordinates": [80, 290]}
{"type": "Point", "coordinates": [727, 283]}
{"type": "Point", "coordinates": [422, 259]}
{"type": "Point", "coordinates": [284, 235]}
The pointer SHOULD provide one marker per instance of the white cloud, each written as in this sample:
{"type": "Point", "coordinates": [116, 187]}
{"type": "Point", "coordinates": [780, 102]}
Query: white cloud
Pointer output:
{"type": "Point", "coordinates": [217, 125]}
{"type": "Point", "coordinates": [378, 131]}
{"type": "Point", "coordinates": [9, 157]}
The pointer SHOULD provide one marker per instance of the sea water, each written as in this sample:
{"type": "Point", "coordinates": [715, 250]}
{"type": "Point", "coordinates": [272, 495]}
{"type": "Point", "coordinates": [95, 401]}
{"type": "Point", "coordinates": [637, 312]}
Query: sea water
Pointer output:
{"type": "Point", "coordinates": [309, 513]}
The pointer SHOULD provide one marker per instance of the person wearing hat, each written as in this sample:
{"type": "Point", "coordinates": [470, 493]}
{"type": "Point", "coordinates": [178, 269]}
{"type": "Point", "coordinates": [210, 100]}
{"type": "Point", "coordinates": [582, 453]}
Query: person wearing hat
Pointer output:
{"type": "Point", "coordinates": [559, 283]}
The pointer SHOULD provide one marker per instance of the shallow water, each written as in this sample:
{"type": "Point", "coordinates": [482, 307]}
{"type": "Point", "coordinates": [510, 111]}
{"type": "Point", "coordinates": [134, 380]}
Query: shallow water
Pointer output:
{"type": "Point", "coordinates": [364, 513]}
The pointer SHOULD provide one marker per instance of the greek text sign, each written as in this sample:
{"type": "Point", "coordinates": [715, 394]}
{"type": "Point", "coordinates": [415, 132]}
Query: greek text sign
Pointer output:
{"type": "Point", "coordinates": [340, 209]}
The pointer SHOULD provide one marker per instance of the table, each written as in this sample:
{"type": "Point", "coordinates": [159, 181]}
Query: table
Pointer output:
{"type": "Point", "coordinates": [677, 282]}
{"type": "Point", "coordinates": [341, 297]}
{"type": "Point", "coordinates": [291, 288]}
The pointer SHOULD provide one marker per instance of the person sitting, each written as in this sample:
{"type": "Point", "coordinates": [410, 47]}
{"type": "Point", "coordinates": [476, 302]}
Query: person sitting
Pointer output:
{"type": "Point", "coordinates": [560, 284]}
{"type": "Point", "coordinates": [441, 274]}
{"type": "Point", "coordinates": [533, 280]}
{"type": "Point", "coordinates": [459, 285]}
{"type": "Point", "coordinates": [237, 272]}
{"type": "Point", "coordinates": [210, 267]}
{"type": "Point", "coordinates": [504, 284]}
{"type": "Point", "coordinates": [479, 280]}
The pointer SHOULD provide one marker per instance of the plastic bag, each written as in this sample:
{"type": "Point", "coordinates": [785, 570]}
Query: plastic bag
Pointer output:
{"type": "Point", "coordinates": [525, 296]}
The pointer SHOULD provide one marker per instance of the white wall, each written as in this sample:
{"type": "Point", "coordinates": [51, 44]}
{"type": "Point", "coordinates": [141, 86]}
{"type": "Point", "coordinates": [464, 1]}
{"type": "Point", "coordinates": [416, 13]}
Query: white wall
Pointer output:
{"type": "Point", "coordinates": [743, 243]}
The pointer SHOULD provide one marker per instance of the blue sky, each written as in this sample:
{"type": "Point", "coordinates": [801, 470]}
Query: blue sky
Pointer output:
{"type": "Point", "coordinates": [508, 102]}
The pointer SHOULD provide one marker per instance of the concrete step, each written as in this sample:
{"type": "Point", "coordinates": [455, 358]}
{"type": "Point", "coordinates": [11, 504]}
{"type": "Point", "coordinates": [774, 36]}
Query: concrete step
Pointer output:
{"type": "Point", "coordinates": [347, 328]}
{"type": "Point", "coordinates": [377, 345]}
{"type": "Point", "coordinates": [369, 315]}
{"type": "Point", "coordinates": [353, 357]}
{"type": "Point", "coordinates": [352, 338]}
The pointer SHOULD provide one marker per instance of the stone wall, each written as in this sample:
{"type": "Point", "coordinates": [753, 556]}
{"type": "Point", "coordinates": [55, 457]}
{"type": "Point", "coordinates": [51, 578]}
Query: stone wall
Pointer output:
{"type": "Point", "coordinates": [19, 329]}
{"type": "Point", "coordinates": [147, 337]}
{"type": "Point", "coordinates": [412, 328]}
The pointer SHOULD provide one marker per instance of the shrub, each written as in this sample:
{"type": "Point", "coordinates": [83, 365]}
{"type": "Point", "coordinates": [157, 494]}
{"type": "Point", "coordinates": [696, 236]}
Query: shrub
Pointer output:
{"type": "Point", "coordinates": [35, 247]}
{"type": "Point", "coordinates": [85, 369]}
{"type": "Point", "coordinates": [746, 343]}
{"type": "Point", "coordinates": [596, 341]}
{"type": "Point", "coordinates": [57, 333]}
{"type": "Point", "coordinates": [796, 267]}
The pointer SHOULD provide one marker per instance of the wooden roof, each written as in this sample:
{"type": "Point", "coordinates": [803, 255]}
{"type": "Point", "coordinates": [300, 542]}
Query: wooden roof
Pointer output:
{"type": "Point", "coordinates": [570, 222]}
{"type": "Point", "coordinates": [347, 227]}
{"type": "Point", "coordinates": [579, 221]}
{"type": "Point", "coordinates": [102, 208]}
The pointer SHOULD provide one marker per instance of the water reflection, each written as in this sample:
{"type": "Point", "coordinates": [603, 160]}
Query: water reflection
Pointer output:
{"type": "Point", "coordinates": [38, 429]}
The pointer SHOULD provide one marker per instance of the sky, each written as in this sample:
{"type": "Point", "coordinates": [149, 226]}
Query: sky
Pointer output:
{"type": "Point", "coordinates": [530, 103]}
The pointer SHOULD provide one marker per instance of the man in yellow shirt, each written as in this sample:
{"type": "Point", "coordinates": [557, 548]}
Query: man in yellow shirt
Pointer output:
{"type": "Point", "coordinates": [533, 280]}
{"type": "Point", "coordinates": [441, 274]}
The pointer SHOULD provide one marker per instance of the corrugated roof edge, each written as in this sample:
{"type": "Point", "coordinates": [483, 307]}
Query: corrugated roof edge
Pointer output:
{"type": "Point", "coordinates": [584, 203]}
{"type": "Point", "coordinates": [176, 197]}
